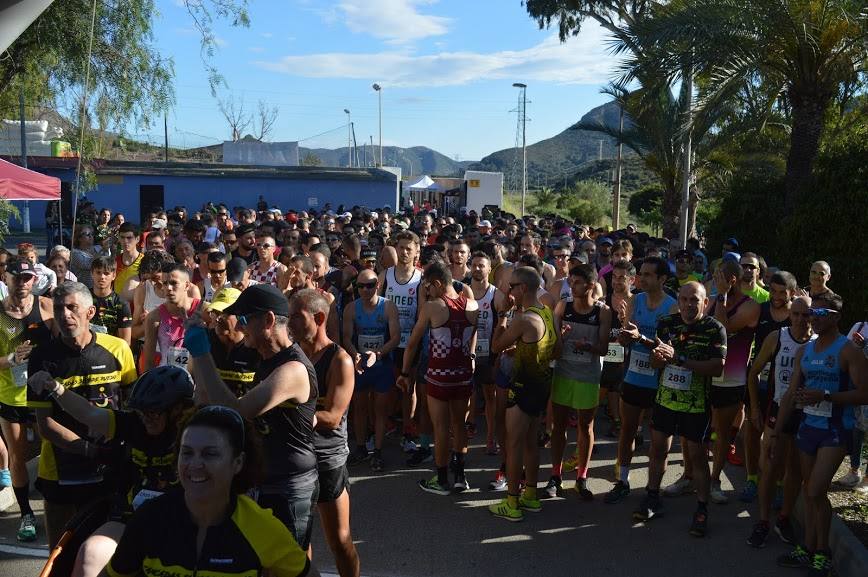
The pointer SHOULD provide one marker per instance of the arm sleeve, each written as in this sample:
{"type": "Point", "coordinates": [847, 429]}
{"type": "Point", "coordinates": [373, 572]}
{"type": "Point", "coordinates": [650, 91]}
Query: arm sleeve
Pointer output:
{"type": "Point", "coordinates": [718, 344]}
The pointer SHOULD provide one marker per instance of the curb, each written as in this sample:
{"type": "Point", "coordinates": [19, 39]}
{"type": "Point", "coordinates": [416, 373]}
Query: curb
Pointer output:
{"type": "Point", "coordinates": [850, 556]}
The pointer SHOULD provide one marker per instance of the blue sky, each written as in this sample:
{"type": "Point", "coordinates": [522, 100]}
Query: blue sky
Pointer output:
{"type": "Point", "coordinates": [446, 68]}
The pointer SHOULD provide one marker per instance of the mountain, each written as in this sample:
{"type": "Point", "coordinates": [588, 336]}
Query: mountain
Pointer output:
{"type": "Point", "coordinates": [573, 154]}
{"type": "Point", "coordinates": [417, 160]}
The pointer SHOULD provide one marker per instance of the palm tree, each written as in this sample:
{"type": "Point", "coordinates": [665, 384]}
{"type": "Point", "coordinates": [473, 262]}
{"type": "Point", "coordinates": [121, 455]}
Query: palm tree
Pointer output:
{"type": "Point", "coordinates": [809, 52]}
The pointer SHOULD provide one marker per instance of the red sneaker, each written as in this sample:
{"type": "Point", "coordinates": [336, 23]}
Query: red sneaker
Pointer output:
{"type": "Point", "coordinates": [733, 457]}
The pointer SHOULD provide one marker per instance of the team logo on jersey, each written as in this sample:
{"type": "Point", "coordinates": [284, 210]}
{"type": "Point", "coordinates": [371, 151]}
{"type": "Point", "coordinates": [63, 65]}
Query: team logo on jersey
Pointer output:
{"type": "Point", "coordinates": [411, 291]}
{"type": "Point", "coordinates": [486, 305]}
{"type": "Point", "coordinates": [830, 362]}
{"type": "Point", "coordinates": [456, 342]}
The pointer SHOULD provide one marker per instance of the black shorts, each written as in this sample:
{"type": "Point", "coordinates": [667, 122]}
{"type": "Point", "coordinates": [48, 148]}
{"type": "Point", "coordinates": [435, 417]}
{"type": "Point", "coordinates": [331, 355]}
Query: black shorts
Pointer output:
{"type": "Point", "coordinates": [294, 508]}
{"type": "Point", "coordinates": [333, 483]}
{"type": "Point", "coordinates": [532, 399]}
{"type": "Point", "coordinates": [693, 426]}
{"type": "Point", "coordinates": [13, 414]}
{"type": "Point", "coordinates": [398, 357]}
{"type": "Point", "coordinates": [611, 377]}
{"type": "Point", "coordinates": [792, 424]}
{"type": "Point", "coordinates": [723, 397]}
{"type": "Point", "coordinates": [483, 374]}
{"type": "Point", "coordinates": [641, 397]}
{"type": "Point", "coordinates": [764, 402]}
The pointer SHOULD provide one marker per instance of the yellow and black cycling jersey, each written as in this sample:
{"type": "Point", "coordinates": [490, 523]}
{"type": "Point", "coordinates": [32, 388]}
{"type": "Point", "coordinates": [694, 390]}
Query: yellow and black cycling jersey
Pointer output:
{"type": "Point", "coordinates": [236, 365]}
{"type": "Point", "coordinates": [160, 539]}
{"type": "Point", "coordinates": [95, 372]}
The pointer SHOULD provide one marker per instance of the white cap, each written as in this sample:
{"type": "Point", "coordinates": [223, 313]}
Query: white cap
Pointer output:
{"type": "Point", "coordinates": [485, 223]}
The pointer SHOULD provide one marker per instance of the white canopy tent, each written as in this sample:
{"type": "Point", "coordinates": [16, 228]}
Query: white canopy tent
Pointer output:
{"type": "Point", "coordinates": [425, 184]}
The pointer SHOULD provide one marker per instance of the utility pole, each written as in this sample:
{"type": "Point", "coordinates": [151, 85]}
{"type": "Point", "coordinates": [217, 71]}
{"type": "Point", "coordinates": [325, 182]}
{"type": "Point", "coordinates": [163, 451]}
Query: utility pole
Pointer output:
{"type": "Point", "coordinates": [25, 218]}
{"type": "Point", "coordinates": [166, 136]}
{"type": "Point", "coordinates": [373, 152]}
{"type": "Point", "coordinates": [379, 90]}
{"type": "Point", "coordinates": [522, 118]}
{"type": "Point", "coordinates": [600, 154]}
{"type": "Point", "coordinates": [616, 204]}
{"type": "Point", "coordinates": [684, 225]}
{"type": "Point", "coordinates": [349, 139]}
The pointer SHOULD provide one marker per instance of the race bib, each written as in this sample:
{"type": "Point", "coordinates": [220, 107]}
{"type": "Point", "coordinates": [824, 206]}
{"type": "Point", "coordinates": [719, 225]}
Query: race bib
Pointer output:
{"type": "Point", "coordinates": [178, 357]}
{"type": "Point", "coordinates": [640, 363]}
{"type": "Point", "coordinates": [821, 409]}
{"type": "Point", "coordinates": [99, 328]}
{"type": "Point", "coordinates": [143, 497]}
{"type": "Point", "coordinates": [615, 353]}
{"type": "Point", "coordinates": [19, 374]}
{"type": "Point", "coordinates": [572, 354]}
{"type": "Point", "coordinates": [677, 378]}
{"type": "Point", "coordinates": [482, 347]}
{"type": "Point", "coordinates": [370, 343]}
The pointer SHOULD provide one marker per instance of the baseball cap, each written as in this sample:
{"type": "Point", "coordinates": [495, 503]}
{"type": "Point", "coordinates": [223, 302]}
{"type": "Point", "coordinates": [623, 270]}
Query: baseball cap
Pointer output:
{"type": "Point", "coordinates": [18, 267]}
{"type": "Point", "coordinates": [223, 298]}
{"type": "Point", "coordinates": [291, 217]}
{"type": "Point", "coordinates": [732, 241]}
{"type": "Point", "coordinates": [259, 298]}
{"type": "Point", "coordinates": [683, 254]}
{"type": "Point", "coordinates": [606, 240]}
{"type": "Point", "coordinates": [368, 254]}
{"type": "Point", "coordinates": [732, 256]}
{"type": "Point", "coordinates": [485, 223]}
{"type": "Point", "coordinates": [159, 224]}
{"type": "Point", "coordinates": [235, 269]}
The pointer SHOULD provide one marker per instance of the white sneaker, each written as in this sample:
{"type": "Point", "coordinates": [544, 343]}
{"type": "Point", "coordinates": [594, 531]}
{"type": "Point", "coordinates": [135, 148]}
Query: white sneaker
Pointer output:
{"type": "Point", "coordinates": [680, 487]}
{"type": "Point", "coordinates": [851, 479]}
{"type": "Point", "coordinates": [717, 494]}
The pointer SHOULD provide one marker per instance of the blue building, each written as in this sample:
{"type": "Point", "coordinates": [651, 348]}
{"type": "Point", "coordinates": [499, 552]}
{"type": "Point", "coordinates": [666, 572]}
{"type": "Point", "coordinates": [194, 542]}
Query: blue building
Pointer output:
{"type": "Point", "coordinates": [134, 188]}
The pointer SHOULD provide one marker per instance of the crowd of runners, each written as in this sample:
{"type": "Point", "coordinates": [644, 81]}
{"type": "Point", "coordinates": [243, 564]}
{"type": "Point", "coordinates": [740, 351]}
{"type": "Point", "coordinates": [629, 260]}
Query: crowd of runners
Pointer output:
{"type": "Point", "coordinates": [206, 382]}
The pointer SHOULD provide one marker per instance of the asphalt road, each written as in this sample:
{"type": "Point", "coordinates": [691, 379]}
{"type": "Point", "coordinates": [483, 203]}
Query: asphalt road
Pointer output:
{"type": "Point", "coordinates": [401, 531]}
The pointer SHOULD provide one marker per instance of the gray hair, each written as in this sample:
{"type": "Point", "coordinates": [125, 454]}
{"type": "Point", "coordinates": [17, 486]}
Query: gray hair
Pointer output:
{"type": "Point", "coordinates": [73, 288]}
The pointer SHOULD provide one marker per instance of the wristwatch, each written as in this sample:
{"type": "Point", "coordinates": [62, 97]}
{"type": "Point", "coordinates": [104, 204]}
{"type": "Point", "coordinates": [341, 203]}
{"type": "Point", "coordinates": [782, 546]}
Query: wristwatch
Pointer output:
{"type": "Point", "coordinates": [827, 396]}
{"type": "Point", "coordinates": [721, 298]}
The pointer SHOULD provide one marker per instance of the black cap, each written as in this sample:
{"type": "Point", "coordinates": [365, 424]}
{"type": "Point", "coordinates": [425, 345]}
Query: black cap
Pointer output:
{"type": "Point", "coordinates": [244, 229]}
{"type": "Point", "coordinates": [235, 269]}
{"type": "Point", "coordinates": [260, 298]}
{"type": "Point", "coordinates": [683, 254]}
{"type": "Point", "coordinates": [19, 267]}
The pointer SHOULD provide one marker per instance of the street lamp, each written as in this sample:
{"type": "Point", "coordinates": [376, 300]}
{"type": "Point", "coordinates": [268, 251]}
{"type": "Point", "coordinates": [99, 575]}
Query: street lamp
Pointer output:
{"type": "Point", "coordinates": [349, 138]}
{"type": "Point", "coordinates": [522, 118]}
{"type": "Point", "coordinates": [379, 90]}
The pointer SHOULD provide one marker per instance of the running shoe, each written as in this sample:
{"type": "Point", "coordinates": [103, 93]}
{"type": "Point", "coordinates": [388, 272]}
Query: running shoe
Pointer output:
{"type": "Point", "coordinates": [748, 494]}
{"type": "Point", "coordinates": [408, 445]}
{"type": "Point", "coordinates": [795, 559]}
{"type": "Point", "coordinates": [784, 530]}
{"type": "Point", "coordinates": [582, 490]}
{"type": "Point", "coordinates": [433, 485]}
{"type": "Point", "coordinates": [370, 445]}
{"type": "Point", "coordinates": [821, 565]}
{"type": "Point", "coordinates": [569, 464]}
{"type": "Point", "coordinates": [525, 503]}
{"type": "Point", "coordinates": [554, 487]}
{"type": "Point", "coordinates": [27, 528]}
{"type": "Point", "coordinates": [680, 487]}
{"type": "Point", "coordinates": [649, 508]}
{"type": "Point", "coordinates": [618, 493]}
{"type": "Point", "coordinates": [419, 457]}
{"type": "Point", "coordinates": [6, 478]}
{"type": "Point", "coordinates": [759, 535]}
{"type": "Point", "coordinates": [359, 455]}
{"type": "Point", "coordinates": [699, 526]}
{"type": "Point", "coordinates": [717, 494]}
{"type": "Point", "coordinates": [778, 502]}
{"type": "Point", "coordinates": [849, 480]}
{"type": "Point", "coordinates": [460, 484]}
{"type": "Point", "coordinates": [504, 511]}
{"type": "Point", "coordinates": [377, 463]}
{"type": "Point", "coordinates": [499, 482]}
{"type": "Point", "coordinates": [491, 448]}
{"type": "Point", "coordinates": [733, 458]}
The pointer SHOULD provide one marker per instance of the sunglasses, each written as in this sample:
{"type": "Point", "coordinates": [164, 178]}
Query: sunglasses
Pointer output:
{"type": "Point", "coordinates": [230, 241]}
{"type": "Point", "coordinates": [560, 256]}
{"type": "Point", "coordinates": [216, 272]}
{"type": "Point", "coordinates": [512, 285]}
{"type": "Point", "coordinates": [244, 320]}
{"type": "Point", "coordinates": [685, 260]}
{"type": "Point", "coordinates": [367, 285]}
{"type": "Point", "coordinates": [265, 245]}
{"type": "Point", "coordinates": [749, 266]}
{"type": "Point", "coordinates": [821, 312]}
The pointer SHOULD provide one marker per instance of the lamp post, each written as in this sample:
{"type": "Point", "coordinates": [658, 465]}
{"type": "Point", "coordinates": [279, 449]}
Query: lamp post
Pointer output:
{"type": "Point", "coordinates": [379, 90]}
{"type": "Point", "coordinates": [522, 111]}
{"type": "Point", "coordinates": [349, 139]}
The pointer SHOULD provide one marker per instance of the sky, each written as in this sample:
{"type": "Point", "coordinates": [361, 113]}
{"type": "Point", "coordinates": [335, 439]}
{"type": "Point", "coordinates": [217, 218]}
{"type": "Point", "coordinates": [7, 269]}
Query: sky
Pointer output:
{"type": "Point", "coordinates": [446, 68]}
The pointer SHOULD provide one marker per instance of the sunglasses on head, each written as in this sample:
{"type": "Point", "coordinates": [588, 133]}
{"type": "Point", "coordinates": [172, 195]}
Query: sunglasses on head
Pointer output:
{"type": "Point", "coordinates": [821, 312]}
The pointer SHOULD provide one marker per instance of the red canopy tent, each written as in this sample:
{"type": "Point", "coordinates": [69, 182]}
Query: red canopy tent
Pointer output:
{"type": "Point", "coordinates": [18, 183]}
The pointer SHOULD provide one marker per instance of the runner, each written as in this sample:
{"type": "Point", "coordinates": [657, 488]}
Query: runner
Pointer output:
{"type": "Point", "coordinates": [690, 350]}
{"type": "Point", "coordinates": [820, 274]}
{"type": "Point", "coordinates": [490, 301]}
{"type": "Point", "coordinates": [829, 378]}
{"type": "Point", "coordinates": [536, 342]}
{"type": "Point", "coordinates": [623, 276]}
{"type": "Point", "coordinates": [739, 314]}
{"type": "Point", "coordinates": [335, 375]}
{"type": "Point", "coordinates": [95, 365]}
{"type": "Point", "coordinates": [127, 261]}
{"type": "Point", "coordinates": [777, 356]}
{"type": "Point", "coordinates": [584, 324]}
{"type": "Point", "coordinates": [371, 331]}
{"type": "Point", "coordinates": [400, 284]}
{"type": "Point", "coordinates": [459, 252]}
{"type": "Point", "coordinates": [639, 388]}
{"type": "Point", "coordinates": [283, 402]}
{"type": "Point", "coordinates": [113, 314]}
{"type": "Point", "coordinates": [246, 236]}
{"type": "Point", "coordinates": [215, 277]}
{"type": "Point", "coordinates": [164, 326]}
{"type": "Point", "coordinates": [452, 319]}
{"type": "Point", "coordinates": [265, 269]}
{"type": "Point", "coordinates": [530, 243]}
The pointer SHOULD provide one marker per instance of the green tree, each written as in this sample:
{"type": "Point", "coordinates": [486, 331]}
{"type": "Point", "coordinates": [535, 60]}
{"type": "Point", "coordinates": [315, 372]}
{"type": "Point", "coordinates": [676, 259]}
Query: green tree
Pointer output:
{"type": "Point", "coordinates": [311, 159]}
{"type": "Point", "coordinates": [809, 53]}
{"type": "Point", "coordinates": [7, 212]}
{"type": "Point", "coordinates": [587, 202]}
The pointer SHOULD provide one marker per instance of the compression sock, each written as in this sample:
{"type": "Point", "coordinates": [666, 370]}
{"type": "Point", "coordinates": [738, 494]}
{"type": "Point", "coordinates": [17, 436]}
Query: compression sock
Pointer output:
{"type": "Point", "coordinates": [443, 475]}
{"type": "Point", "coordinates": [581, 472]}
{"type": "Point", "coordinates": [624, 474]}
{"type": "Point", "coordinates": [754, 478]}
{"type": "Point", "coordinates": [503, 467]}
{"type": "Point", "coordinates": [459, 462]}
{"type": "Point", "coordinates": [22, 495]}
{"type": "Point", "coordinates": [556, 469]}
{"type": "Point", "coordinates": [512, 501]}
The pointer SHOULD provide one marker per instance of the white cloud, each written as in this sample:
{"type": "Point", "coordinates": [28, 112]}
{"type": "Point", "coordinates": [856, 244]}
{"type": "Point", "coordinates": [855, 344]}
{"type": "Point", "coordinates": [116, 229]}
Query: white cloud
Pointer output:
{"type": "Point", "coordinates": [256, 49]}
{"type": "Point", "coordinates": [395, 21]}
{"type": "Point", "coordinates": [581, 60]}
{"type": "Point", "coordinates": [266, 34]}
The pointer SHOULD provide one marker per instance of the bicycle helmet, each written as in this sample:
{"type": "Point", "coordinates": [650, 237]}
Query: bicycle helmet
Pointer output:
{"type": "Point", "coordinates": [161, 388]}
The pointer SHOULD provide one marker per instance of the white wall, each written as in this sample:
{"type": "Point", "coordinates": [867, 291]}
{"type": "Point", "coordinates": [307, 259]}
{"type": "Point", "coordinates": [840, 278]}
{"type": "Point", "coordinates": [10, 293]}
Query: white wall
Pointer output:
{"type": "Point", "coordinates": [483, 188]}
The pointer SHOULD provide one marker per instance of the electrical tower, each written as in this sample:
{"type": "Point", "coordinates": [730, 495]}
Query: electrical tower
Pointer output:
{"type": "Point", "coordinates": [521, 140]}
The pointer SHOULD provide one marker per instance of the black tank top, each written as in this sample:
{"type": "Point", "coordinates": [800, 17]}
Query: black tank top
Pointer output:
{"type": "Point", "coordinates": [287, 429]}
{"type": "Point", "coordinates": [35, 329]}
{"type": "Point", "coordinates": [330, 446]}
{"type": "Point", "coordinates": [765, 326]}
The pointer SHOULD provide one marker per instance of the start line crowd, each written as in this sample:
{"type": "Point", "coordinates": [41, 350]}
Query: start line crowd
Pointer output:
{"type": "Point", "coordinates": [204, 382]}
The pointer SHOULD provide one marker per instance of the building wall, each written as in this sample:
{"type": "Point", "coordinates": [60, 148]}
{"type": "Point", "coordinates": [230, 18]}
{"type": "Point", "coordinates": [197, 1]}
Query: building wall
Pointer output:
{"type": "Point", "coordinates": [121, 193]}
